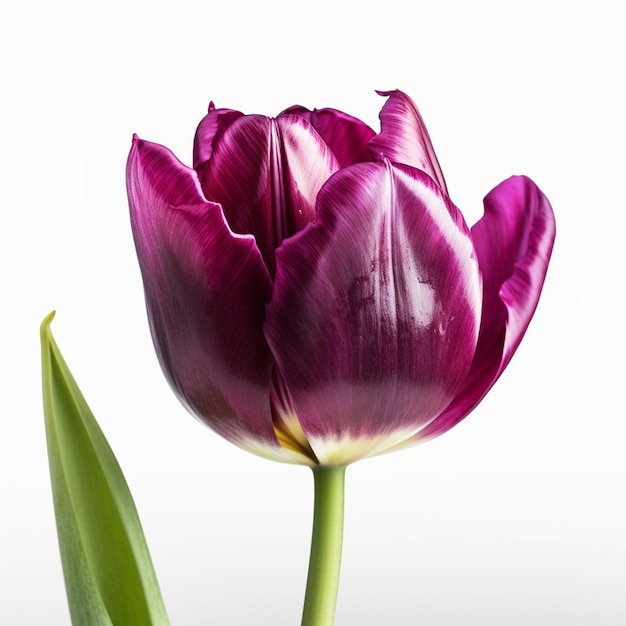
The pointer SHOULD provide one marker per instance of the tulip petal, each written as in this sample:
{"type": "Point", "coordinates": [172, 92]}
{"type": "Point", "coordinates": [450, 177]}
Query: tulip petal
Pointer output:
{"type": "Point", "coordinates": [266, 174]}
{"type": "Point", "coordinates": [367, 303]}
{"type": "Point", "coordinates": [404, 139]}
{"type": "Point", "coordinates": [347, 136]}
{"type": "Point", "coordinates": [205, 290]}
{"type": "Point", "coordinates": [208, 133]}
{"type": "Point", "coordinates": [514, 241]}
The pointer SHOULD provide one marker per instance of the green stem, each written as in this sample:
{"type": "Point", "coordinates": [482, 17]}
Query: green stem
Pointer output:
{"type": "Point", "coordinates": [325, 562]}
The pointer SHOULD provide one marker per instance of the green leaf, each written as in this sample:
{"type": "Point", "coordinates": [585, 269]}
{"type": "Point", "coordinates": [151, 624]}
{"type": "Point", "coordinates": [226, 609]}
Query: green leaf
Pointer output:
{"type": "Point", "coordinates": [109, 575]}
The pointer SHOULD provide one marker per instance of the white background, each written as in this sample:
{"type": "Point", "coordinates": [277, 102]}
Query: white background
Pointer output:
{"type": "Point", "coordinates": [517, 515]}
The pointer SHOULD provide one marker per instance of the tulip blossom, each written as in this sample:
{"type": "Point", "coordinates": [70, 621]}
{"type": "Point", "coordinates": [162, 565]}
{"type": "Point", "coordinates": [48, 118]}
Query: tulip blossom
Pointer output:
{"type": "Point", "coordinates": [314, 295]}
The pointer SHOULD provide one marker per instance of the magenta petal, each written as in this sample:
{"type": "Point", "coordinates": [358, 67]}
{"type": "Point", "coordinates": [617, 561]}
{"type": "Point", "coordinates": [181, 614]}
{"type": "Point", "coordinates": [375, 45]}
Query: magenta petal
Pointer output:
{"type": "Point", "coordinates": [205, 293]}
{"type": "Point", "coordinates": [266, 174]}
{"type": "Point", "coordinates": [208, 133]}
{"type": "Point", "coordinates": [404, 139]}
{"type": "Point", "coordinates": [376, 306]}
{"type": "Point", "coordinates": [514, 242]}
{"type": "Point", "coordinates": [347, 136]}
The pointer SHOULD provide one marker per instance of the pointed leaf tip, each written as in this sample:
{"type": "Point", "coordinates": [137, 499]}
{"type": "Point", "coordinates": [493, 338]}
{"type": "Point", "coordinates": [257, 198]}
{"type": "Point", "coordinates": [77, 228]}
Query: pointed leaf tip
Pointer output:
{"type": "Point", "coordinates": [44, 328]}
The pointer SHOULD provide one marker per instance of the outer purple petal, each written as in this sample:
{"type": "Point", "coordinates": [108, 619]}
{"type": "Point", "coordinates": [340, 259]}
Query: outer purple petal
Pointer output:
{"type": "Point", "coordinates": [376, 307]}
{"type": "Point", "coordinates": [404, 139]}
{"type": "Point", "coordinates": [514, 242]}
{"type": "Point", "coordinates": [205, 293]}
{"type": "Point", "coordinates": [208, 133]}
{"type": "Point", "coordinates": [347, 136]}
{"type": "Point", "coordinates": [266, 174]}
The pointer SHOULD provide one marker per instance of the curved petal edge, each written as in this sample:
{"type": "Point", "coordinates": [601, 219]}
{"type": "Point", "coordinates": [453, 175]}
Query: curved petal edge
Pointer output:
{"type": "Point", "coordinates": [403, 137]}
{"type": "Point", "coordinates": [514, 241]}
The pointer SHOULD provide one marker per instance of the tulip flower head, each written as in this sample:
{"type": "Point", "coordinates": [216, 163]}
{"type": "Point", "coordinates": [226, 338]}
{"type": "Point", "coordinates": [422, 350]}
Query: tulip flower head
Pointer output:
{"type": "Point", "coordinates": [314, 295]}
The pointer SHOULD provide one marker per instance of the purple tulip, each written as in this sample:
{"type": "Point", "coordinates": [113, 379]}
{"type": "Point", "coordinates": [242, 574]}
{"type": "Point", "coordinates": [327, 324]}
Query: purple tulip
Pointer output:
{"type": "Point", "coordinates": [313, 294]}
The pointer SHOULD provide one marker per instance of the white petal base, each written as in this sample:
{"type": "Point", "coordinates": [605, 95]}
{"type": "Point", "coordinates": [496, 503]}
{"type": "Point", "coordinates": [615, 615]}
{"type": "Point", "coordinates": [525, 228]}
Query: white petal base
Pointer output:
{"type": "Point", "coordinates": [345, 450]}
{"type": "Point", "coordinates": [275, 453]}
